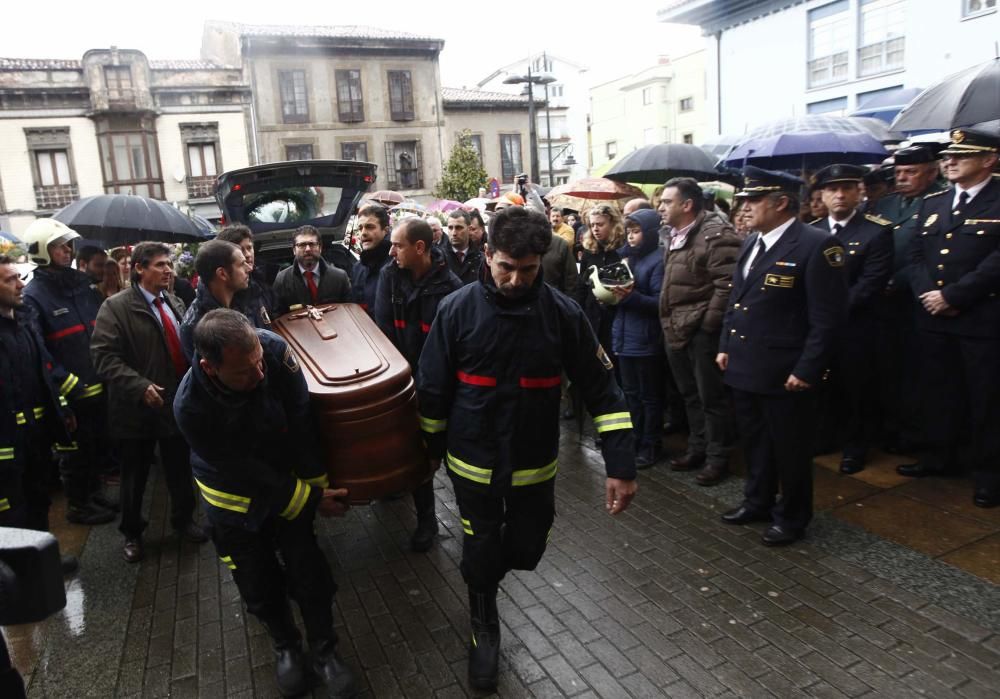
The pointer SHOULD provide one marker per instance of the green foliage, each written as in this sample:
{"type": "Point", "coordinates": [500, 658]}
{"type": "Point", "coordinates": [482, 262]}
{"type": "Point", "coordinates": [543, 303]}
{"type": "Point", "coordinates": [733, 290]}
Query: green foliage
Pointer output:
{"type": "Point", "coordinates": [463, 173]}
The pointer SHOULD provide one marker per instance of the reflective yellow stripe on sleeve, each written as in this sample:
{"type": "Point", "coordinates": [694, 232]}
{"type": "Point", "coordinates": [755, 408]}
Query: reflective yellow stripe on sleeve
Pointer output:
{"type": "Point", "coordinates": [298, 501]}
{"type": "Point", "coordinates": [432, 426]}
{"type": "Point", "coordinates": [225, 501]}
{"type": "Point", "coordinates": [4, 504]}
{"type": "Point", "coordinates": [531, 476]}
{"type": "Point", "coordinates": [62, 401]}
{"type": "Point", "coordinates": [467, 526]}
{"type": "Point", "coordinates": [473, 473]}
{"type": "Point", "coordinates": [319, 481]}
{"type": "Point", "coordinates": [69, 384]}
{"type": "Point", "coordinates": [6, 453]}
{"type": "Point", "coordinates": [20, 419]}
{"type": "Point", "coordinates": [63, 448]}
{"type": "Point", "coordinates": [228, 560]}
{"type": "Point", "coordinates": [91, 391]}
{"type": "Point", "coordinates": [613, 421]}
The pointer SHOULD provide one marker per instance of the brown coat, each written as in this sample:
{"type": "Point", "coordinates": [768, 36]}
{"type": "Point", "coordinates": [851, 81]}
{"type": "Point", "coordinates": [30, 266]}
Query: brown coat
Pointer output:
{"type": "Point", "coordinates": [697, 279]}
{"type": "Point", "coordinates": [129, 353]}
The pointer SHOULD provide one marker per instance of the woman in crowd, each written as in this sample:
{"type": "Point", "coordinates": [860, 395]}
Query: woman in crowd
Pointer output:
{"type": "Point", "coordinates": [606, 233]}
{"type": "Point", "coordinates": [124, 259]}
{"type": "Point", "coordinates": [111, 284]}
{"type": "Point", "coordinates": [637, 338]}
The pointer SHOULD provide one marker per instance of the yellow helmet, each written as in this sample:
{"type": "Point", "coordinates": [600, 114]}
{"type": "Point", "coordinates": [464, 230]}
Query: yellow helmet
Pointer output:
{"type": "Point", "coordinates": [42, 233]}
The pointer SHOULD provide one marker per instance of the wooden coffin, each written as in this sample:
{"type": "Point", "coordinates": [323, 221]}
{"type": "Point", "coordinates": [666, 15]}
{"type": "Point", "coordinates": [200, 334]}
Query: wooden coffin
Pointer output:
{"type": "Point", "coordinates": [364, 398]}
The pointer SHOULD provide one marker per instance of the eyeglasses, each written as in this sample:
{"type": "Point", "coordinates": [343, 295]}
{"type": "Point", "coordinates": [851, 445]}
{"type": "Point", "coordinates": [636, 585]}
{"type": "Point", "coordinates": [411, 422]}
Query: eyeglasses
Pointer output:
{"type": "Point", "coordinates": [304, 246]}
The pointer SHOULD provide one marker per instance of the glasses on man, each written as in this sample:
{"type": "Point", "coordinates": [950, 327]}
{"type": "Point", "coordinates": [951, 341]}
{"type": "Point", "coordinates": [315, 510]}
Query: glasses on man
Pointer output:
{"type": "Point", "coordinates": [306, 246]}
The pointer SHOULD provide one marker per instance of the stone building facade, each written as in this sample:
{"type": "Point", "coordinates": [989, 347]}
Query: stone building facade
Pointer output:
{"type": "Point", "coordinates": [117, 122]}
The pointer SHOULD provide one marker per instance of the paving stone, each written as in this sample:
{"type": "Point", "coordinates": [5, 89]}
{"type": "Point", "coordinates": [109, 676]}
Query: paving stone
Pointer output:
{"type": "Point", "coordinates": [564, 676]}
{"type": "Point", "coordinates": [602, 682]}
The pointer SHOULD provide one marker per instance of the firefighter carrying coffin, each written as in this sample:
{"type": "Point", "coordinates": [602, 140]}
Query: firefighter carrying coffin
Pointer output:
{"type": "Point", "coordinates": [364, 398]}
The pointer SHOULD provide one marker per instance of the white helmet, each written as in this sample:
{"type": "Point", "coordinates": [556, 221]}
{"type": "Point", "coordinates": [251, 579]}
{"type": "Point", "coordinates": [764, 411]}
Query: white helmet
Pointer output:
{"type": "Point", "coordinates": [618, 274]}
{"type": "Point", "coordinates": [42, 233]}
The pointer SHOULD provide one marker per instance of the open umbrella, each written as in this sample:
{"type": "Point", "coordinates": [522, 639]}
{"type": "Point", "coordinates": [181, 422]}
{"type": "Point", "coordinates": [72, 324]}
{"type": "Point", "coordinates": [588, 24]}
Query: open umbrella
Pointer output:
{"type": "Point", "coordinates": [821, 122]}
{"type": "Point", "coordinates": [886, 104]}
{"type": "Point", "coordinates": [10, 237]}
{"type": "Point", "coordinates": [595, 188]}
{"type": "Point", "coordinates": [123, 219]}
{"type": "Point", "coordinates": [658, 163]}
{"type": "Point", "coordinates": [444, 205]}
{"type": "Point", "coordinates": [386, 197]}
{"type": "Point", "coordinates": [806, 151]}
{"type": "Point", "coordinates": [969, 98]}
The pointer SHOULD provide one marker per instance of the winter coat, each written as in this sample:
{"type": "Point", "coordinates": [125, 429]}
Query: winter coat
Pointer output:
{"type": "Point", "coordinates": [364, 276]}
{"type": "Point", "coordinates": [404, 309]}
{"type": "Point", "coordinates": [601, 316]}
{"type": "Point", "coordinates": [697, 279]}
{"type": "Point", "coordinates": [291, 291]}
{"type": "Point", "coordinates": [130, 352]}
{"type": "Point", "coordinates": [636, 328]}
{"type": "Point", "coordinates": [468, 269]}
{"type": "Point", "coordinates": [204, 302]}
{"type": "Point", "coordinates": [559, 266]}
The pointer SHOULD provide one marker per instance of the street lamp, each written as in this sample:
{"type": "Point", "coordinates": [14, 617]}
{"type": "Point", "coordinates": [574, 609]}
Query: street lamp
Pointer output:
{"type": "Point", "coordinates": [533, 79]}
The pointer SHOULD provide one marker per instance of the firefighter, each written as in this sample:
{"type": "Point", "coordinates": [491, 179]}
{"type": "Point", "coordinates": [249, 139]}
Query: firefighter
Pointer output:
{"type": "Point", "coordinates": [66, 302]}
{"type": "Point", "coordinates": [409, 291]}
{"type": "Point", "coordinates": [33, 413]}
{"type": "Point", "coordinates": [489, 391]}
{"type": "Point", "coordinates": [244, 409]}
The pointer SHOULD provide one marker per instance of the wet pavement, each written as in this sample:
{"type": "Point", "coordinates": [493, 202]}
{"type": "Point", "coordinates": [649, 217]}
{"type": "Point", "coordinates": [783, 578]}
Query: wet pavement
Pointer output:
{"type": "Point", "coordinates": [662, 601]}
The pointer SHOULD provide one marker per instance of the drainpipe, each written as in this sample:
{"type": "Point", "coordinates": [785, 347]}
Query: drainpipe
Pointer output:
{"type": "Point", "coordinates": [718, 80]}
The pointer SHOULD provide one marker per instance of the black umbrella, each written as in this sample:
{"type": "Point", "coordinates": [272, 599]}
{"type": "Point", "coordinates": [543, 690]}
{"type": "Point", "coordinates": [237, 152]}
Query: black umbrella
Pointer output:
{"type": "Point", "coordinates": [123, 219]}
{"type": "Point", "coordinates": [657, 164]}
{"type": "Point", "coordinates": [968, 98]}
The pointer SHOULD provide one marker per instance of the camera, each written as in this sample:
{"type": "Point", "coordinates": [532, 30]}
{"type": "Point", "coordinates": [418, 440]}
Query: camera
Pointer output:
{"type": "Point", "coordinates": [521, 185]}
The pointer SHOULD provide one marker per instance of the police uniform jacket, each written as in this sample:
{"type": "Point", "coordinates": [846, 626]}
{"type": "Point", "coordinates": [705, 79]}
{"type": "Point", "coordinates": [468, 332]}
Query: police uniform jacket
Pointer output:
{"type": "Point", "coordinates": [365, 274]}
{"type": "Point", "coordinates": [26, 367]}
{"type": "Point", "coordinates": [902, 212]}
{"type": "Point", "coordinates": [130, 352]}
{"type": "Point", "coordinates": [66, 303]}
{"type": "Point", "coordinates": [203, 303]}
{"type": "Point", "coordinates": [468, 269]}
{"type": "Point", "coordinates": [960, 257]}
{"type": "Point", "coordinates": [489, 386]}
{"type": "Point", "coordinates": [867, 243]}
{"type": "Point", "coordinates": [785, 316]}
{"type": "Point", "coordinates": [256, 455]}
{"type": "Point", "coordinates": [404, 309]}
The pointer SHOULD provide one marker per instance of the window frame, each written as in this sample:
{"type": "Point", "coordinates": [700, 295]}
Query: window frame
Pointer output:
{"type": "Point", "coordinates": [289, 146]}
{"type": "Point", "coordinates": [110, 126]}
{"type": "Point", "coordinates": [286, 76]}
{"type": "Point", "coordinates": [403, 80]}
{"type": "Point", "coordinates": [883, 44]}
{"type": "Point", "coordinates": [349, 78]}
{"type": "Point", "coordinates": [516, 167]}
{"type": "Point", "coordinates": [354, 144]}
{"type": "Point", "coordinates": [394, 182]}
{"type": "Point", "coordinates": [199, 135]}
{"type": "Point", "coordinates": [972, 14]}
{"type": "Point", "coordinates": [50, 141]}
{"type": "Point", "coordinates": [838, 60]}
{"type": "Point", "coordinates": [689, 107]}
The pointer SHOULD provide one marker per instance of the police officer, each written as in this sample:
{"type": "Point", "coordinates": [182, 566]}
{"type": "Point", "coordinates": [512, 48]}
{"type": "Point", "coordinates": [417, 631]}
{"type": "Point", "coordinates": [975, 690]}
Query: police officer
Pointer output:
{"type": "Point", "coordinates": [244, 409]}
{"type": "Point", "coordinates": [489, 389]}
{"type": "Point", "coordinates": [785, 312]}
{"type": "Point", "coordinates": [867, 243]}
{"type": "Point", "coordinates": [955, 276]}
{"type": "Point", "coordinates": [409, 291]}
{"type": "Point", "coordinates": [916, 175]}
{"type": "Point", "coordinates": [66, 302]}
{"type": "Point", "coordinates": [33, 413]}
{"type": "Point", "coordinates": [373, 234]}
{"type": "Point", "coordinates": [223, 272]}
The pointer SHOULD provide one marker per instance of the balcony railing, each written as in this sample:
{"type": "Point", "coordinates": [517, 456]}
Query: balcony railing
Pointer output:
{"type": "Point", "coordinates": [201, 187]}
{"type": "Point", "coordinates": [55, 196]}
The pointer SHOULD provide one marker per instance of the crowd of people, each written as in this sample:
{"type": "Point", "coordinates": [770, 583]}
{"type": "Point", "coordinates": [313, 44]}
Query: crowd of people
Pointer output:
{"type": "Point", "coordinates": [874, 323]}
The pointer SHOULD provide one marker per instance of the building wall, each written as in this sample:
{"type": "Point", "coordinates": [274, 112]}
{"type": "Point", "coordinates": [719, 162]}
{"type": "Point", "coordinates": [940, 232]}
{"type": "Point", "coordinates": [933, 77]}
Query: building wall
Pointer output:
{"type": "Point", "coordinates": [232, 147]}
{"type": "Point", "coordinates": [325, 132]}
{"type": "Point", "coordinates": [488, 125]}
{"type": "Point", "coordinates": [15, 163]}
{"type": "Point", "coordinates": [764, 62]}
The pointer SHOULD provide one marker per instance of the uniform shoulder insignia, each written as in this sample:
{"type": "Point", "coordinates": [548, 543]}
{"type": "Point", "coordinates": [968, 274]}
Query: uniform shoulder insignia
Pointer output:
{"type": "Point", "coordinates": [815, 221]}
{"type": "Point", "coordinates": [290, 361]}
{"type": "Point", "coordinates": [935, 194]}
{"type": "Point", "coordinates": [874, 218]}
{"type": "Point", "coordinates": [834, 256]}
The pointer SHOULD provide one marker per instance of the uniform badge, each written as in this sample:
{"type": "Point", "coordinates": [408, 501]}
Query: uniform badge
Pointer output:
{"type": "Point", "coordinates": [834, 256]}
{"type": "Point", "coordinates": [290, 361]}
{"type": "Point", "coordinates": [930, 220]}
{"type": "Point", "coordinates": [782, 263]}
{"type": "Point", "coordinates": [957, 136]}
{"type": "Point", "coordinates": [264, 316]}
{"type": "Point", "coordinates": [781, 281]}
{"type": "Point", "coordinates": [60, 312]}
{"type": "Point", "coordinates": [605, 359]}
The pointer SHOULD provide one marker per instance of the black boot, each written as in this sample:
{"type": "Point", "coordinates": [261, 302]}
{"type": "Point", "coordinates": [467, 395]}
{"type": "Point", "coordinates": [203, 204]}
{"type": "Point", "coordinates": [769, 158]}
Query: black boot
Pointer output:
{"type": "Point", "coordinates": [337, 677]}
{"type": "Point", "coordinates": [290, 669]}
{"type": "Point", "coordinates": [484, 651]}
{"type": "Point", "coordinates": [427, 524]}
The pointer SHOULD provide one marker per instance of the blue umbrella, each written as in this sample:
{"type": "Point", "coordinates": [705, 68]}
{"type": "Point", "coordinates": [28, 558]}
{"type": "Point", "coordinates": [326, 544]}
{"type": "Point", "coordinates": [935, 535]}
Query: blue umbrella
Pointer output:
{"type": "Point", "coordinates": [808, 150]}
{"type": "Point", "coordinates": [10, 237]}
{"type": "Point", "coordinates": [886, 104]}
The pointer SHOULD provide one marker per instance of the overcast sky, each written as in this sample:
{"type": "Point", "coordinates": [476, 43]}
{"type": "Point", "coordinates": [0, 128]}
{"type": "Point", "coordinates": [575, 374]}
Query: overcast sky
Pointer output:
{"type": "Point", "coordinates": [477, 42]}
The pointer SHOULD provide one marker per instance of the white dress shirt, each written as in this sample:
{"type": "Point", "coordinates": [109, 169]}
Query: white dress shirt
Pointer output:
{"type": "Point", "coordinates": [769, 240]}
{"type": "Point", "coordinates": [973, 191]}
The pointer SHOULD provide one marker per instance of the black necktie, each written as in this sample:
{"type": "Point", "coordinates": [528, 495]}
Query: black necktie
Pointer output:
{"type": "Point", "coordinates": [761, 251]}
{"type": "Point", "coordinates": [963, 199]}
{"type": "Point", "coordinates": [837, 228]}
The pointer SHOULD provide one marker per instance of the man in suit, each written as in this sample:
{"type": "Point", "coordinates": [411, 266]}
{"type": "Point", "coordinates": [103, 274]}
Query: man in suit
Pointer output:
{"type": "Point", "coordinates": [785, 312]}
{"type": "Point", "coordinates": [463, 256]}
{"type": "Point", "coordinates": [310, 281]}
{"type": "Point", "coordinates": [867, 243]}
{"type": "Point", "coordinates": [955, 275]}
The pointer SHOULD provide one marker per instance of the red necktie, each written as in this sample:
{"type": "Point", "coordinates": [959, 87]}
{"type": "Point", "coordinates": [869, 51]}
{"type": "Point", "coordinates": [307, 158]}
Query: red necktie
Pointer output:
{"type": "Point", "coordinates": [173, 342]}
{"type": "Point", "coordinates": [461, 257]}
{"type": "Point", "coordinates": [311, 283]}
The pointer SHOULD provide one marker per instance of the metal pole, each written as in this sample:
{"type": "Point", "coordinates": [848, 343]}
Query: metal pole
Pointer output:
{"type": "Point", "coordinates": [548, 134]}
{"type": "Point", "coordinates": [532, 130]}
